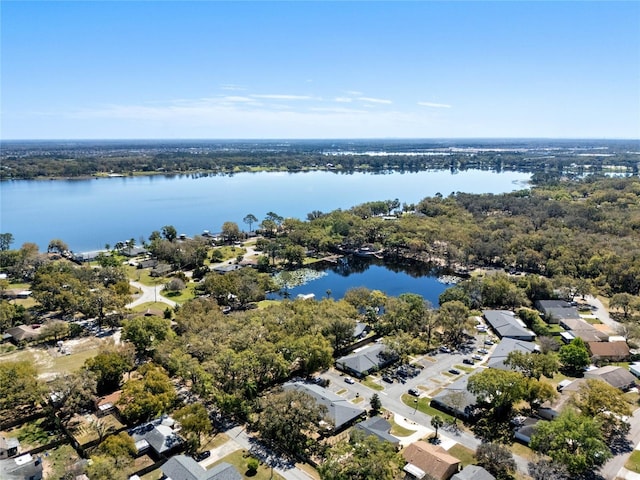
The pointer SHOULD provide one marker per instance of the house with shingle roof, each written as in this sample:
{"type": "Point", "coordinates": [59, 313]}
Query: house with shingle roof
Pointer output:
{"type": "Point", "coordinates": [584, 330]}
{"type": "Point", "coordinates": [615, 376]}
{"type": "Point", "coordinates": [378, 427]}
{"type": "Point", "coordinates": [157, 435]}
{"type": "Point", "coordinates": [340, 411]}
{"type": "Point", "coordinates": [473, 472]}
{"type": "Point", "coordinates": [425, 459]}
{"type": "Point", "coordinates": [507, 325]}
{"type": "Point", "coordinates": [455, 399]}
{"type": "Point", "coordinates": [611, 351]}
{"type": "Point", "coordinates": [181, 467]}
{"type": "Point", "coordinates": [506, 346]}
{"type": "Point", "coordinates": [556, 310]}
{"type": "Point", "coordinates": [363, 361]}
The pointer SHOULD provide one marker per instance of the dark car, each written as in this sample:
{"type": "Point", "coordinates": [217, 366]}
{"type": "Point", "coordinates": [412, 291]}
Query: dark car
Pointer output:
{"type": "Point", "coordinates": [387, 379]}
{"type": "Point", "coordinates": [454, 371]}
{"type": "Point", "coordinates": [198, 457]}
{"type": "Point", "coordinates": [468, 361]}
{"type": "Point", "coordinates": [414, 391]}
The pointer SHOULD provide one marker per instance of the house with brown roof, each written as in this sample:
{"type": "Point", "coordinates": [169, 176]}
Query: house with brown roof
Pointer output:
{"type": "Point", "coordinates": [584, 330]}
{"type": "Point", "coordinates": [23, 333]}
{"type": "Point", "coordinates": [611, 351]}
{"type": "Point", "coordinates": [425, 459]}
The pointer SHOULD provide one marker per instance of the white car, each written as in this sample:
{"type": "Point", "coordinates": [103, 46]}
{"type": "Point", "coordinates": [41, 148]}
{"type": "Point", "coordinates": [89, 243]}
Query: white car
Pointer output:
{"type": "Point", "coordinates": [350, 380]}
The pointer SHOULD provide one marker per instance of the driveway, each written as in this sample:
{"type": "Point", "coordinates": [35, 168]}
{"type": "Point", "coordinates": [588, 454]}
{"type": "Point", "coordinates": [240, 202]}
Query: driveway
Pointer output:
{"type": "Point", "coordinates": [149, 295]}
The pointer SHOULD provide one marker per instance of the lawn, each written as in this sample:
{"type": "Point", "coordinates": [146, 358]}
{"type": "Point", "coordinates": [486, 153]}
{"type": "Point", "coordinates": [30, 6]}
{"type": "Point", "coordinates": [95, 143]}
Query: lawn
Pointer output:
{"type": "Point", "coordinates": [523, 451]}
{"type": "Point", "coordinates": [34, 434]}
{"type": "Point", "coordinates": [372, 384]}
{"type": "Point", "coordinates": [228, 253]}
{"type": "Point", "coordinates": [239, 460]}
{"type": "Point", "coordinates": [188, 293]}
{"type": "Point", "coordinates": [633, 464]}
{"type": "Point", "coordinates": [464, 454]}
{"type": "Point", "coordinates": [424, 406]}
{"type": "Point", "coordinates": [398, 431]}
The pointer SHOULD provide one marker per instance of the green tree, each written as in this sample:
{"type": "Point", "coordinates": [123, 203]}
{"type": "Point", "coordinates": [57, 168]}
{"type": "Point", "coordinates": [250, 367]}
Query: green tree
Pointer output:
{"type": "Point", "coordinates": [436, 422]}
{"type": "Point", "coordinates": [572, 440]}
{"type": "Point", "coordinates": [498, 388]}
{"type": "Point", "coordinates": [230, 231]}
{"type": "Point", "coordinates": [120, 447]}
{"type": "Point", "coordinates": [194, 423]}
{"type": "Point", "coordinates": [6, 239]}
{"type": "Point", "coordinates": [606, 404]}
{"type": "Point", "coordinates": [57, 246]}
{"type": "Point", "coordinates": [148, 397]}
{"type": "Point", "coordinates": [624, 301]}
{"type": "Point", "coordinates": [146, 332]}
{"type": "Point", "coordinates": [109, 365]}
{"type": "Point", "coordinates": [19, 386]}
{"type": "Point", "coordinates": [497, 460]}
{"type": "Point", "coordinates": [376, 404]}
{"type": "Point", "coordinates": [290, 419]}
{"type": "Point", "coordinates": [575, 356]}
{"type": "Point", "coordinates": [453, 318]}
{"type": "Point", "coordinates": [362, 458]}
{"type": "Point", "coordinates": [103, 467]}
{"type": "Point", "coordinates": [169, 232]}
{"type": "Point", "coordinates": [250, 219]}
{"type": "Point", "coordinates": [534, 365]}
{"type": "Point", "coordinates": [73, 392]}
{"type": "Point", "coordinates": [55, 329]}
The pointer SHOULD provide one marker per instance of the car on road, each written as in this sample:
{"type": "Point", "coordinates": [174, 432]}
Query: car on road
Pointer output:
{"type": "Point", "coordinates": [350, 380]}
{"type": "Point", "coordinates": [468, 361]}
{"type": "Point", "coordinates": [414, 391]}
{"type": "Point", "coordinates": [198, 457]}
{"type": "Point", "coordinates": [454, 371]}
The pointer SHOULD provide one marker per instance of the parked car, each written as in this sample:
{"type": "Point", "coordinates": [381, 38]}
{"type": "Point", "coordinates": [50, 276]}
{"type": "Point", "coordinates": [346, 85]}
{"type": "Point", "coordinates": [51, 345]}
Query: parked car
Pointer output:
{"type": "Point", "coordinates": [198, 457]}
{"type": "Point", "coordinates": [414, 391]}
{"type": "Point", "coordinates": [488, 341]}
{"type": "Point", "coordinates": [454, 371]}
{"type": "Point", "coordinates": [468, 361]}
{"type": "Point", "coordinates": [387, 379]}
{"type": "Point", "coordinates": [477, 357]}
{"type": "Point", "coordinates": [483, 351]}
{"type": "Point", "coordinates": [444, 349]}
{"type": "Point", "coordinates": [350, 380]}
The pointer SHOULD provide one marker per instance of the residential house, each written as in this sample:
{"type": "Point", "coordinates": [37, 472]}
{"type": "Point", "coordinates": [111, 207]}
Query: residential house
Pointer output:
{"type": "Point", "coordinates": [609, 351]}
{"type": "Point", "coordinates": [23, 333]}
{"type": "Point", "coordinates": [361, 330]}
{"type": "Point", "coordinates": [363, 361]}
{"type": "Point", "coordinates": [226, 268]}
{"type": "Point", "coordinates": [340, 411]}
{"type": "Point", "coordinates": [584, 330]}
{"type": "Point", "coordinates": [378, 427]}
{"type": "Point", "coordinates": [24, 467]}
{"type": "Point", "coordinates": [525, 429]}
{"type": "Point", "coordinates": [455, 399]}
{"type": "Point", "coordinates": [615, 376]}
{"type": "Point", "coordinates": [473, 472]}
{"type": "Point", "coordinates": [89, 256]}
{"type": "Point", "coordinates": [425, 459]}
{"type": "Point", "coordinates": [506, 346]}
{"type": "Point", "coordinates": [556, 310]}
{"type": "Point", "coordinates": [9, 447]}
{"type": "Point", "coordinates": [108, 404]}
{"type": "Point", "coordinates": [182, 467]}
{"type": "Point", "coordinates": [507, 325]}
{"type": "Point", "coordinates": [157, 437]}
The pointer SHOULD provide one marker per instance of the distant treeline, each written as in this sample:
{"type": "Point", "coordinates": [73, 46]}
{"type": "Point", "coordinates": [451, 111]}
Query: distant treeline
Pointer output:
{"type": "Point", "coordinates": [42, 160]}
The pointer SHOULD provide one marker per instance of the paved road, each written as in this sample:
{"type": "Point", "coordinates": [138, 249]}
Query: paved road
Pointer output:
{"type": "Point", "coordinates": [149, 295]}
{"type": "Point", "coordinates": [239, 439]}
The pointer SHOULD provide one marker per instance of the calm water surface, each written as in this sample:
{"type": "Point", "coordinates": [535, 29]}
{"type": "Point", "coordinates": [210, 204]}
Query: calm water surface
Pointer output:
{"type": "Point", "coordinates": [87, 214]}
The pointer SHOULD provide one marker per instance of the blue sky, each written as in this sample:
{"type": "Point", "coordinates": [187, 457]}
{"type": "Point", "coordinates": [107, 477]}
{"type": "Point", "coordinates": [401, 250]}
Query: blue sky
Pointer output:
{"type": "Point", "coordinates": [74, 70]}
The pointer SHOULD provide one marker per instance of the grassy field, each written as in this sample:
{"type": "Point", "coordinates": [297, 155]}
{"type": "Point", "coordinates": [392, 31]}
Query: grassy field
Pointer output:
{"type": "Point", "coordinates": [464, 454]}
{"type": "Point", "coordinates": [57, 460]}
{"type": "Point", "coordinates": [188, 293]}
{"type": "Point", "coordinates": [633, 464]}
{"type": "Point", "coordinates": [371, 384]}
{"type": "Point", "coordinates": [399, 431]}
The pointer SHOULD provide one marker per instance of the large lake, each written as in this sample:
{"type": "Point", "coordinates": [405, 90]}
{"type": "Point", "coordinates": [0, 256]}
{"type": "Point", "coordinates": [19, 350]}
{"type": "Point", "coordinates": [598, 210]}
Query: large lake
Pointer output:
{"type": "Point", "coordinates": [89, 213]}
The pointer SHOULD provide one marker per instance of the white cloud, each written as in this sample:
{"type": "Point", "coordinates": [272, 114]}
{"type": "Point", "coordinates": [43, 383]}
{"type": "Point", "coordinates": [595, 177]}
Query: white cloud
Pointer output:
{"type": "Point", "coordinates": [283, 97]}
{"type": "Point", "coordinates": [374, 100]}
{"type": "Point", "coordinates": [434, 105]}
{"type": "Point", "coordinates": [343, 99]}
{"type": "Point", "coordinates": [231, 86]}
{"type": "Point", "coordinates": [355, 93]}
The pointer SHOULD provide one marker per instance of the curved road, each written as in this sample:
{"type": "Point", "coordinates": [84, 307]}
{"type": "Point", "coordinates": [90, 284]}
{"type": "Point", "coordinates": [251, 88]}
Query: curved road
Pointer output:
{"type": "Point", "coordinates": [149, 295]}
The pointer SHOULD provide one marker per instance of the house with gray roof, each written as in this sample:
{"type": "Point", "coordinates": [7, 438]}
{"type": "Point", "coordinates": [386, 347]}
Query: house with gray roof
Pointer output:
{"type": "Point", "coordinates": [340, 411]}
{"type": "Point", "coordinates": [456, 400]}
{"type": "Point", "coordinates": [363, 361]}
{"type": "Point", "coordinates": [506, 346]}
{"type": "Point", "coordinates": [507, 325]}
{"type": "Point", "coordinates": [378, 427]}
{"type": "Point", "coordinates": [9, 447]}
{"type": "Point", "coordinates": [181, 467]}
{"type": "Point", "coordinates": [473, 472]}
{"type": "Point", "coordinates": [584, 330]}
{"type": "Point", "coordinates": [157, 435]}
{"type": "Point", "coordinates": [556, 310]}
{"type": "Point", "coordinates": [618, 377]}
